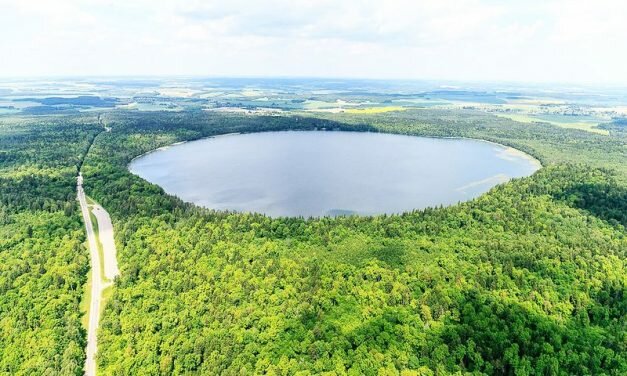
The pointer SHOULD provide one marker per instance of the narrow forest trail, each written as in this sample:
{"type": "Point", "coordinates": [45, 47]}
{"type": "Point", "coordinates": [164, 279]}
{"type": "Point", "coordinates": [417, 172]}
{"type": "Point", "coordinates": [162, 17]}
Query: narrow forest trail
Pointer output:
{"type": "Point", "coordinates": [103, 270]}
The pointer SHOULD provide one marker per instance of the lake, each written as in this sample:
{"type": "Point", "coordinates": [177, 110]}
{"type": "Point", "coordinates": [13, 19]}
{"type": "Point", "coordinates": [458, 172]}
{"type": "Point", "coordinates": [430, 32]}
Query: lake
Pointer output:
{"type": "Point", "coordinates": [320, 173]}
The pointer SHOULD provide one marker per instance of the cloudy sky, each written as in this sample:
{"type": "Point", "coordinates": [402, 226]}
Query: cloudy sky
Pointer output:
{"type": "Point", "coordinates": [498, 40]}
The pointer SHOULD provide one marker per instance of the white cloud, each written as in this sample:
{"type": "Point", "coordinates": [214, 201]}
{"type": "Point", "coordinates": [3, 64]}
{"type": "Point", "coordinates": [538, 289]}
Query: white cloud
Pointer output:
{"type": "Point", "coordinates": [564, 40]}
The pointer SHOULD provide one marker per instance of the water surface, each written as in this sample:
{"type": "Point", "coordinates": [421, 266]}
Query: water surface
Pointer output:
{"type": "Point", "coordinates": [330, 173]}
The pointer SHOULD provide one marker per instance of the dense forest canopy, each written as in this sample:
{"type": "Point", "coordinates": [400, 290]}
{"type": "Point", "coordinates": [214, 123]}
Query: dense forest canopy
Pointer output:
{"type": "Point", "coordinates": [526, 279]}
{"type": "Point", "coordinates": [43, 263]}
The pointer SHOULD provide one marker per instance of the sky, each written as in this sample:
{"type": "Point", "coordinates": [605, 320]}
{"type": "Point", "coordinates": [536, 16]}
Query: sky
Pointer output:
{"type": "Point", "coordinates": [473, 40]}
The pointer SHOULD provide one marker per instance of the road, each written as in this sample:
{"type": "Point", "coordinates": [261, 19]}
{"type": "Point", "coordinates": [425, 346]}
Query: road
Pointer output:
{"type": "Point", "coordinates": [98, 283]}
{"type": "Point", "coordinates": [105, 233]}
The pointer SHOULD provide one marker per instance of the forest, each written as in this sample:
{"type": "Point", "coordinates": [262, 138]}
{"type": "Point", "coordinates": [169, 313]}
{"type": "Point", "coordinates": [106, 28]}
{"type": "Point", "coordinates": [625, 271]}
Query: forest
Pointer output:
{"type": "Point", "coordinates": [43, 262]}
{"type": "Point", "coordinates": [528, 279]}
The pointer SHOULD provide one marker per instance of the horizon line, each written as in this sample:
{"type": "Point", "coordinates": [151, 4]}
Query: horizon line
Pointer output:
{"type": "Point", "coordinates": [64, 77]}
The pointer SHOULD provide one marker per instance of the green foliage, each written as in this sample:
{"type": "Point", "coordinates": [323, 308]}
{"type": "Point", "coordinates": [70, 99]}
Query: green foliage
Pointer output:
{"type": "Point", "coordinates": [526, 279]}
{"type": "Point", "coordinates": [43, 263]}
{"type": "Point", "coordinates": [511, 282]}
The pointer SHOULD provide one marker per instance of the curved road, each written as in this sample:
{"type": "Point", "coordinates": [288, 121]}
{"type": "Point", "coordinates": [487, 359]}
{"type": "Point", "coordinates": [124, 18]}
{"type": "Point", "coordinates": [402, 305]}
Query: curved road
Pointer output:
{"type": "Point", "coordinates": [98, 283]}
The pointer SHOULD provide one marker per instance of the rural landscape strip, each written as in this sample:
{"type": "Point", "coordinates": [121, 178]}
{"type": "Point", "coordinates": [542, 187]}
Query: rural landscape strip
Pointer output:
{"type": "Point", "coordinates": [100, 281]}
{"type": "Point", "coordinates": [104, 266]}
{"type": "Point", "coordinates": [96, 283]}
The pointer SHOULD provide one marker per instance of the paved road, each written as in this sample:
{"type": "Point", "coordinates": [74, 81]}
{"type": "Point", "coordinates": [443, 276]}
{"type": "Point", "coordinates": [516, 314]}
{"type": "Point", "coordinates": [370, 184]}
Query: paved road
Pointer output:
{"type": "Point", "coordinates": [98, 284]}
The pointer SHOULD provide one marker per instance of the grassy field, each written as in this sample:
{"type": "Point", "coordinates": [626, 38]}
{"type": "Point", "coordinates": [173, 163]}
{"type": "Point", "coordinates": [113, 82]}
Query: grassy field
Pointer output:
{"type": "Point", "coordinates": [374, 110]}
{"type": "Point", "coordinates": [94, 222]}
{"type": "Point", "coordinates": [86, 300]}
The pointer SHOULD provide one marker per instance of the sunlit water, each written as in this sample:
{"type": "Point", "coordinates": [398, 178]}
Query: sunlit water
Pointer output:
{"type": "Point", "coordinates": [330, 173]}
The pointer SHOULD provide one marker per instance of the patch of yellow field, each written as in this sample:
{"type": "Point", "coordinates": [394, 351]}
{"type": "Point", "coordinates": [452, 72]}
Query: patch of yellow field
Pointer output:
{"type": "Point", "coordinates": [374, 110]}
{"type": "Point", "coordinates": [519, 118]}
{"type": "Point", "coordinates": [584, 126]}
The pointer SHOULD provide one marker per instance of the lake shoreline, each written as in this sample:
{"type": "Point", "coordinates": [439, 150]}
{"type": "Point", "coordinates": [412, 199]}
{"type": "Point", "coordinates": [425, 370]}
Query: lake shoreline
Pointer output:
{"type": "Point", "coordinates": [166, 147]}
{"type": "Point", "coordinates": [508, 149]}
{"type": "Point", "coordinates": [426, 168]}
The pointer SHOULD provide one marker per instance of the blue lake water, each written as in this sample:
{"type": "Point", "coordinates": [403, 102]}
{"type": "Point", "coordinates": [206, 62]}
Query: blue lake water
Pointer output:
{"type": "Point", "coordinates": [330, 173]}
